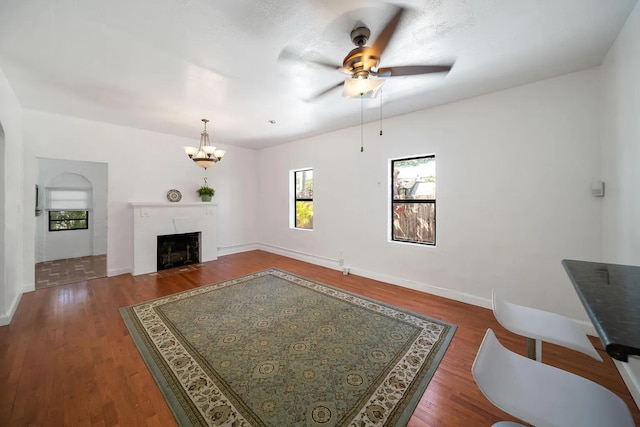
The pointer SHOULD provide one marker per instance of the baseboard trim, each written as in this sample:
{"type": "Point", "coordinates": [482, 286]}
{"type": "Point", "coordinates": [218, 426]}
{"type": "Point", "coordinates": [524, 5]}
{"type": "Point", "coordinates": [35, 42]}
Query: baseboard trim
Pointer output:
{"type": "Point", "coordinates": [424, 287]}
{"type": "Point", "coordinates": [5, 319]}
{"type": "Point", "coordinates": [300, 256]}
{"type": "Point", "coordinates": [235, 249]}
{"type": "Point", "coordinates": [119, 271]}
{"type": "Point", "coordinates": [418, 286]}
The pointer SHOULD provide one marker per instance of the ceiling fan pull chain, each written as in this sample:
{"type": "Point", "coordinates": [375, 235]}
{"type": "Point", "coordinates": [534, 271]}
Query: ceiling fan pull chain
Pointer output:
{"type": "Point", "coordinates": [380, 111]}
{"type": "Point", "coordinates": [361, 124]}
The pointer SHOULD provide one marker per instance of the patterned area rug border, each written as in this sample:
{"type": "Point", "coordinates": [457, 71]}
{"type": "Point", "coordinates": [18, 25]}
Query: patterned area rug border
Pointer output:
{"type": "Point", "coordinates": [196, 395]}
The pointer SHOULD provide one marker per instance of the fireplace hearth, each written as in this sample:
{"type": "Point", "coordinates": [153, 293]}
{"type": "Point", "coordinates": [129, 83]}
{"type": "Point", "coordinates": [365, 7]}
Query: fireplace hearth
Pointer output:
{"type": "Point", "coordinates": [176, 250]}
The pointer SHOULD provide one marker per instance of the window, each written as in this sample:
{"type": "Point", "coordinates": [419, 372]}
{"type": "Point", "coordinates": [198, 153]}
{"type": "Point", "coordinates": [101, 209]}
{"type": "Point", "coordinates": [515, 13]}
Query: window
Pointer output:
{"type": "Point", "coordinates": [68, 220]}
{"type": "Point", "coordinates": [413, 200]}
{"type": "Point", "coordinates": [303, 199]}
{"type": "Point", "coordinates": [68, 208]}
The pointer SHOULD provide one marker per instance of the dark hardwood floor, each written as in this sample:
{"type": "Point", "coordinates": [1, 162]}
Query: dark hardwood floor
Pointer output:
{"type": "Point", "coordinates": [67, 358]}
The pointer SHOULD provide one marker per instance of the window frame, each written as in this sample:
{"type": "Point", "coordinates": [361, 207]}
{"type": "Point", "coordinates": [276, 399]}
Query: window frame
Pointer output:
{"type": "Point", "coordinates": [50, 220]}
{"type": "Point", "coordinates": [295, 199]}
{"type": "Point", "coordinates": [394, 202]}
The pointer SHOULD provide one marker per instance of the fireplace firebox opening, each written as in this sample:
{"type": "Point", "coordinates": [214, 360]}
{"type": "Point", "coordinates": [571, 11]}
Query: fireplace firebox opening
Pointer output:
{"type": "Point", "coordinates": [176, 250]}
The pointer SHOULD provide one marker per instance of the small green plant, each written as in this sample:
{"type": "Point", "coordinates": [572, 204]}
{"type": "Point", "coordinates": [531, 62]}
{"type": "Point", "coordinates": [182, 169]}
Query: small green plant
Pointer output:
{"type": "Point", "coordinates": [205, 191]}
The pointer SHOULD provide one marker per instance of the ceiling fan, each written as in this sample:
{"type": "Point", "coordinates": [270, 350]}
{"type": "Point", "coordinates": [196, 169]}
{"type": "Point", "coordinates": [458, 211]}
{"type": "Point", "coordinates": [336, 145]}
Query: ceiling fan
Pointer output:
{"type": "Point", "coordinates": [362, 63]}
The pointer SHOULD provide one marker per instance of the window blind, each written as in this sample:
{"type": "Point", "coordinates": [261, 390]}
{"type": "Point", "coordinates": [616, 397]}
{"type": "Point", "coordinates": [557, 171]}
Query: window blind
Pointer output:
{"type": "Point", "coordinates": [68, 200]}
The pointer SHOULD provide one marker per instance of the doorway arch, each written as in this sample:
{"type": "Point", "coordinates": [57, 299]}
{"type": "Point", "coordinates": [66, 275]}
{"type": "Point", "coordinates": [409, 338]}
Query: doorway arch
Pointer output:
{"type": "Point", "coordinates": [72, 251]}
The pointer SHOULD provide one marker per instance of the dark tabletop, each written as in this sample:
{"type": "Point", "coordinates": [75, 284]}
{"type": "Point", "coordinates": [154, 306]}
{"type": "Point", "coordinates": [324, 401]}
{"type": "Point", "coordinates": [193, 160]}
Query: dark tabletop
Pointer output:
{"type": "Point", "coordinates": [611, 295]}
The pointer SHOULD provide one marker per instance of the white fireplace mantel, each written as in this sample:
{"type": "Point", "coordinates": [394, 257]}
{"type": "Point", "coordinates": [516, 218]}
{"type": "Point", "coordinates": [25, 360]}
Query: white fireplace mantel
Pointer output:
{"type": "Point", "coordinates": [153, 219]}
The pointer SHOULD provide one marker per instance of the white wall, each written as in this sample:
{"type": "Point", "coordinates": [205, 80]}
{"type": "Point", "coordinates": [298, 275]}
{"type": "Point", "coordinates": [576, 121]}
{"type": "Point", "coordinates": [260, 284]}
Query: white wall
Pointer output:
{"type": "Point", "coordinates": [513, 175]}
{"type": "Point", "coordinates": [12, 225]}
{"type": "Point", "coordinates": [2, 222]}
{"type": "Point", "coordinates": [620, 137]}
{"type": "Point", "coordinates": [143, 166]}
{"type": "Point", "coordinates": [73, 243]}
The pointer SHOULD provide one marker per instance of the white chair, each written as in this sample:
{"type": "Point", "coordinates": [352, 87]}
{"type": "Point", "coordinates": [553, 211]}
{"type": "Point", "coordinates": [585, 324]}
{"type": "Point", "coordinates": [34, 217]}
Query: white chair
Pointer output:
{"type": "Point", "coordinates": [541, 394]}
{"type": "Point", "coordinates": [538, 325]}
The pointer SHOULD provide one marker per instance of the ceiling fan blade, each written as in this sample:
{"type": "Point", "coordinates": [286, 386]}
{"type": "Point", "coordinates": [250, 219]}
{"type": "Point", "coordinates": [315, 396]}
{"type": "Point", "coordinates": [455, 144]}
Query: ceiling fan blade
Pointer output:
{"type": "Point", "coordinates": [287, 55]}
{"type": "Point", "coordinates": [324, 92]}
{"type": "Point", "coordinates": [412, 70]}
{"type": "Point", "coordinates": [383, 39]}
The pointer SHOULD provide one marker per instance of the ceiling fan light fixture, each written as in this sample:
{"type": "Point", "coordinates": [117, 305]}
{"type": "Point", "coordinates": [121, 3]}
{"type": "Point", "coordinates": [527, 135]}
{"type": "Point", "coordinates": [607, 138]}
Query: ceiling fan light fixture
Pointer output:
{"type": "Point", "coordinates": [359, 87]}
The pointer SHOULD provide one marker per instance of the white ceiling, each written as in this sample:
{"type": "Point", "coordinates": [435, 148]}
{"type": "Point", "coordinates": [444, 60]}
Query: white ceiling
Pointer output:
{"type": "Point", "coordinates": [162, 65]}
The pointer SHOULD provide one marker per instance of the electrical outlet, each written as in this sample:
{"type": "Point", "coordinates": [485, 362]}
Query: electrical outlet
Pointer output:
{"type": "Point", "coordinates": [345, 270]}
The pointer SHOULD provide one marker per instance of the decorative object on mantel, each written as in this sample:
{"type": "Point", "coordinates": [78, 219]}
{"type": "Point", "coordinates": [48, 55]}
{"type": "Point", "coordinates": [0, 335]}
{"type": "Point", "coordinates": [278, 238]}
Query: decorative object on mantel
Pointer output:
{"type": "Point", "coordinates": [174, 195]}
{"type": "Point", "coordinates": [206, 155]}
{"type": "Point", "coordinates": [205, 192]}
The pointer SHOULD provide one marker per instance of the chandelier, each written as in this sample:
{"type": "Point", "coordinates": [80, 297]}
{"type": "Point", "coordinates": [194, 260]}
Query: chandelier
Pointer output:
{"type": "Point", "coordinates": [206, 155]}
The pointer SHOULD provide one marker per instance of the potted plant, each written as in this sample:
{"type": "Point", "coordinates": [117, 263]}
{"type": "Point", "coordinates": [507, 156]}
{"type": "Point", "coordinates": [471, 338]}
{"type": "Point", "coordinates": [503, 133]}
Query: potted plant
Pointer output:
{"type": "Point", "coordinates": [205, 192]}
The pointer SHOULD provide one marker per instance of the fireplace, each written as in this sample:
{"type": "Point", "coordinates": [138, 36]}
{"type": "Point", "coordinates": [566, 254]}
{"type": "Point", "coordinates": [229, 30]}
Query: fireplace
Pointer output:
{"type": "Point", "coordinates": [154, 219]}
{"type": "Point", "coordinates": [175, 250]}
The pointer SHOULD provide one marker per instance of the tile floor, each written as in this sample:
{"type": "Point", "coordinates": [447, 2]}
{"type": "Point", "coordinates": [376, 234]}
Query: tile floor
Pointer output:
{"type": "Point", "coordinates": [72, 270]}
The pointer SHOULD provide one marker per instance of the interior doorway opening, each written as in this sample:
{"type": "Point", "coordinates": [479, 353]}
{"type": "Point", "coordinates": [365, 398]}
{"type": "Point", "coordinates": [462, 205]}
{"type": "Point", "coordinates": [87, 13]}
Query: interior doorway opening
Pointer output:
{"type": "Point", "coordinates": [71, 222]}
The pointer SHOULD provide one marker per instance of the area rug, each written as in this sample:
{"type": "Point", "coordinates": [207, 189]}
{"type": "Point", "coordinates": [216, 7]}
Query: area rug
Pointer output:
{"type": "Point", "coordinates": [276, 349]}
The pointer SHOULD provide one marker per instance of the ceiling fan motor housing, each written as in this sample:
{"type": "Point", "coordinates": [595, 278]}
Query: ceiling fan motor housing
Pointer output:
{"type": "Point", "coordinates": [360, 60]}
{"type": "Point", "coordinates": [360, 36]}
